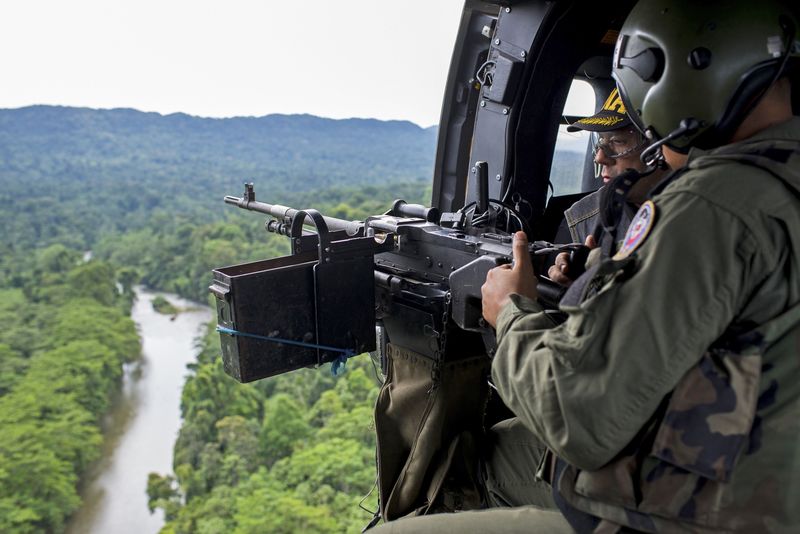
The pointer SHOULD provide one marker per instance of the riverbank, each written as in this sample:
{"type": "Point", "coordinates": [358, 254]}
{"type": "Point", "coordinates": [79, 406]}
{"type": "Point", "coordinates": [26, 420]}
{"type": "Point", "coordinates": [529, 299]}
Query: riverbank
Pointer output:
{"type": "Point", "coordinates": [143, 424]}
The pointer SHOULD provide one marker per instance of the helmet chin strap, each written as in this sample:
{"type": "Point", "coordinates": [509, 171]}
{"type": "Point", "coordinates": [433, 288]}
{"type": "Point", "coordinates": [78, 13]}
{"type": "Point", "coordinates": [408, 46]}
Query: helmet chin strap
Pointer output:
{"type": "Point", "coordinates": [652, 156]}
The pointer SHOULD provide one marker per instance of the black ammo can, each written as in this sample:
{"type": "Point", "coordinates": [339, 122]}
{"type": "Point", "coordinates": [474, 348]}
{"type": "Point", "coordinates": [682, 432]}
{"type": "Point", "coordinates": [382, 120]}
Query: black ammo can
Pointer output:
{"type": "Point", "coordinates": [313, 306]}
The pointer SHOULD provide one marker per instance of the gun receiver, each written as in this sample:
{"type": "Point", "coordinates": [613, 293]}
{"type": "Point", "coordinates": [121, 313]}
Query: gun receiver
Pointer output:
{"type": "Point", "coordinates": [405, 271]}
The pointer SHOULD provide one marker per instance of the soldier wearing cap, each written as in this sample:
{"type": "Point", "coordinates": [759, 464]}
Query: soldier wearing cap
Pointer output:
{"type": "Point", "coordinates": [617, 147]}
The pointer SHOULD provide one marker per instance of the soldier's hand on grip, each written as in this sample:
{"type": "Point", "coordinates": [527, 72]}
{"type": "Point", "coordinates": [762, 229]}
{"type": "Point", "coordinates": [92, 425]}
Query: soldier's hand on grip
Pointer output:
{"type": "Point", "coordinates": [563, 272]}
{"type": "Point", "coordinates": [507, 279]}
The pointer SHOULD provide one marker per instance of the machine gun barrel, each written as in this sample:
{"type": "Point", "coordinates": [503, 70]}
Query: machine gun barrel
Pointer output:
{"type": "Point", "coordinates": [282, 213]}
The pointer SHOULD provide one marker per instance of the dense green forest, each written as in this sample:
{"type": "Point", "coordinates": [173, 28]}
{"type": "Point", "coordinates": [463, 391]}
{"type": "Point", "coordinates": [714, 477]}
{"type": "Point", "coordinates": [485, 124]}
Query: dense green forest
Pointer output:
{"type": "Point", "coordinates": [144, 193]}
{"type": "Point", "coordinates": [293, 453]}
{"type": "Point", "coordinates": [66, 333]}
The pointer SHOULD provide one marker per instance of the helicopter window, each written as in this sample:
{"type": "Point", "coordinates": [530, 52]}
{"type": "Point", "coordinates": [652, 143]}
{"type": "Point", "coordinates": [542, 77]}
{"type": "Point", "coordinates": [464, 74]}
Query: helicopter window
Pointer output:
{"type": "Point", "coordinates": [566, 174]}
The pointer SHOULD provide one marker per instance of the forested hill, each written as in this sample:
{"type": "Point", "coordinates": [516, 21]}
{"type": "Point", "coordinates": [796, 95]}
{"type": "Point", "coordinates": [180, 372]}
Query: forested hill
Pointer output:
{"type": "Point", "coordinates": [313, 151]}
{"type": "Point", "coordinates": [57, 162]}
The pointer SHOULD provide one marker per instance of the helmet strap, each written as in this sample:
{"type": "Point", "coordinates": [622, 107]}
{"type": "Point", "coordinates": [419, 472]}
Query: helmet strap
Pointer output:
{"type": "Point", "coordinates": [614, 195]}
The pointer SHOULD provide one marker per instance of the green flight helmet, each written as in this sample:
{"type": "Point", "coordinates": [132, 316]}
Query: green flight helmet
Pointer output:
{"type": "Point", "coordinates": [689, 72]}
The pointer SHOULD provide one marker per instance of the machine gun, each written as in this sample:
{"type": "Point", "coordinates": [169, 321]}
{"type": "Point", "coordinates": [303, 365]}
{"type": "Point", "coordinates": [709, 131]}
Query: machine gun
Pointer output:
{"type": "Point", "coordinates": [413, 272]}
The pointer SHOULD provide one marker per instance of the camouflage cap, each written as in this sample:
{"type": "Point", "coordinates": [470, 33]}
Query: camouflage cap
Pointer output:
{"type": "Point", "coordinates": [611, 116]}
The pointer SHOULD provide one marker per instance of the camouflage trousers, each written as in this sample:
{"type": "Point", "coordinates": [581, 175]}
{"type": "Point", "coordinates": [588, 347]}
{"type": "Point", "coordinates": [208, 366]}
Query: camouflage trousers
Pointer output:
{"type": "Point", "coordinates": [520, 502]}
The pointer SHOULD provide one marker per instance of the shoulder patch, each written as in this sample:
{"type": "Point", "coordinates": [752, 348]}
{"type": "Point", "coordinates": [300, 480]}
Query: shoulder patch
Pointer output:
{"type": "Point", "coordinates": [639, 229]}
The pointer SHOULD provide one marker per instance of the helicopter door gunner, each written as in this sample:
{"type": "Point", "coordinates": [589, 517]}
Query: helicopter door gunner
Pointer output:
{"type": "Point", "coordinates": [669, 400]}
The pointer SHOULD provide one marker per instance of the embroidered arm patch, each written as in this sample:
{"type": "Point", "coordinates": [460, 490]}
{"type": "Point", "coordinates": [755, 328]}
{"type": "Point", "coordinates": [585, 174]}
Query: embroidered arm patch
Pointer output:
{"type": "Point", "coordinates": [638, 231]}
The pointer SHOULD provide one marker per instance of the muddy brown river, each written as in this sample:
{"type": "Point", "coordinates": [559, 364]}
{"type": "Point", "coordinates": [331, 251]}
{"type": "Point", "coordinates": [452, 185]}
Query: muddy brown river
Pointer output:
{"type": "Point", "coordinates": [142, 426]}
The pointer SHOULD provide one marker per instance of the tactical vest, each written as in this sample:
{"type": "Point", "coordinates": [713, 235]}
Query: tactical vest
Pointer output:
{"type": "Point", "coordinates": [582, 217]}
{"type": "Point", "coordinates": [679, 473]}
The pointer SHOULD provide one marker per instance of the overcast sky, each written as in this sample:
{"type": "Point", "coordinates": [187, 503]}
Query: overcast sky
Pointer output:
{"type": "Point", "coordinates": [339, 59]}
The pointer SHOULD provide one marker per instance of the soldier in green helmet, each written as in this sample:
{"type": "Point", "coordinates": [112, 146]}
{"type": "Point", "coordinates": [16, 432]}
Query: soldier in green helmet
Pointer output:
{"type": "Point", "coordinates": [669, 400]}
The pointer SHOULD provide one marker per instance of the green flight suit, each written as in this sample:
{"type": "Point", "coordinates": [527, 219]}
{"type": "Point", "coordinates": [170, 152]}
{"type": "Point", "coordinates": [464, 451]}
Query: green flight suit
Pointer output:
{"type": "Point", "coordinates": [670, 398]}
{"type": "Point", "coordinates": [660, 432]}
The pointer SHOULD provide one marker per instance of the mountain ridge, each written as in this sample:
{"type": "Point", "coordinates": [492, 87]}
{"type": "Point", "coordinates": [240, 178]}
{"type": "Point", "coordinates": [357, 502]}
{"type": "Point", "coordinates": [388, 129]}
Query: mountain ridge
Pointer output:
{"type": "Point", "coordinates": [181, 115]}
{"type": "Point", "coordinates": [278, 141]}
{"type": "Point", "coordinates": [63, 163]}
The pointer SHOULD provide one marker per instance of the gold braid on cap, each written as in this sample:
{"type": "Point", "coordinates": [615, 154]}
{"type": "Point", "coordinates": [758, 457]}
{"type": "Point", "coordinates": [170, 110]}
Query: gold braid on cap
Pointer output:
{"type": "Point", "coordinates": [602, 121]}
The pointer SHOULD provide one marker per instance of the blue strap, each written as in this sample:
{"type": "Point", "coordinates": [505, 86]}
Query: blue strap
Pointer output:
{"type": "Point", "coordinates": [337, 365]}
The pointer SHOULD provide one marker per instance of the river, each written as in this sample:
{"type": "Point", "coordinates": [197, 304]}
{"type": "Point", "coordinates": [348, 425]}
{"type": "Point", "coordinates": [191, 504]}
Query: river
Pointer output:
{"type": "Point", "coordinates": [143, 424]}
